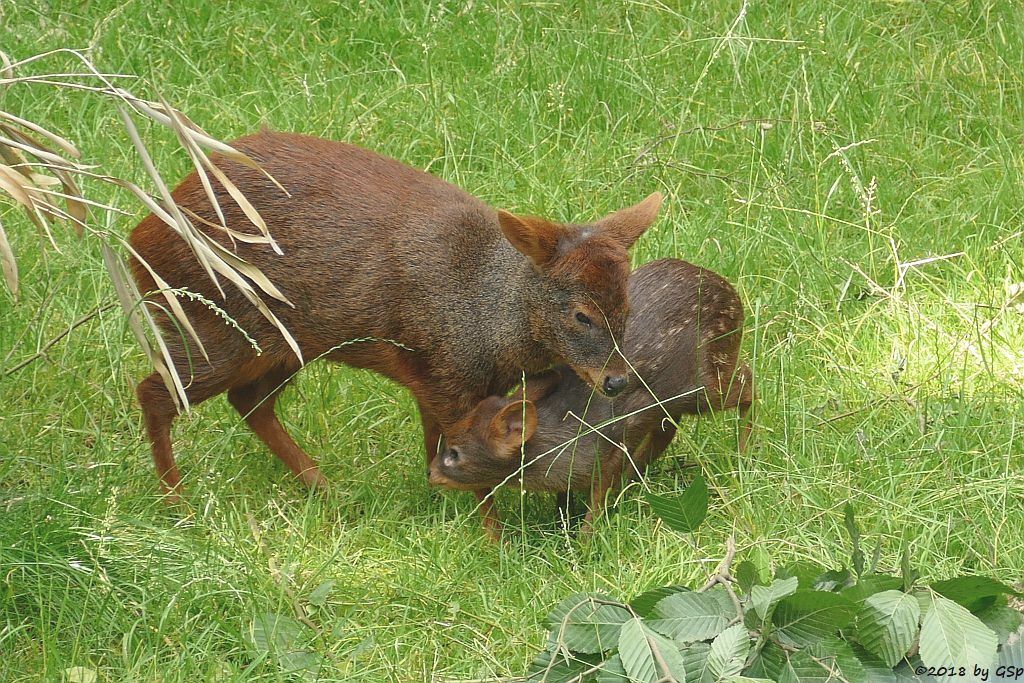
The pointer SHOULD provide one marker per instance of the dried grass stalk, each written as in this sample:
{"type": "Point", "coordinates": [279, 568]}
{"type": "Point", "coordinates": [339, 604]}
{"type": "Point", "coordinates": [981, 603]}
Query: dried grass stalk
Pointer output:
{"type": "Point", "coordinates": [34, 160]}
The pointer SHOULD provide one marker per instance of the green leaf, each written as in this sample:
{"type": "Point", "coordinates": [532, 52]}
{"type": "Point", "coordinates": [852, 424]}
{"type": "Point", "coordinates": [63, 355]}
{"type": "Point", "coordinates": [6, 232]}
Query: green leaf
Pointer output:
{"type": "Point", "coordinates": [684, 511]}
{"type": "Point", "coordinates": [746, 679]}
{"type": "Point", "coordinates": [302, 662]}
{"type": "Point", "coordinates": [877, 671]}
{"type": "Point", "coordinates": [591, 626]}
{"type": "Point", "coordinates": [856, 554]}
{"type": "Point", "coordinates": [688, 617]}
{"type": "Point", "coordinates": [952, 636]}
{"type": "Point", "coordinates": [837, 658]}
{"type": "Point", "coordinates": [869, 585]}
{"type": "Point", "coordinates": [558, 613]}
{"type": "Point", "coordinates": [810, 616]}
{"type": "Point", "coordinates": [762, 598]}
{"type": "Point", "coordinates": [695, 659]}
{"type": "Point", "coordinates": [646, 654]}
{"type": "Point", "coordinates": [806, 572]}
{"type": "Point", "coordinates": [1002, 620]}
{"type": "Point", "coordinates": [746, 575]}
{"type": "Point", "coordinates": [274, 633]}
{"type": "Point", "coordinates": [556, 665]}
{"type": "Point", "coordinates": [318, 597]}
{"type": "Point", "coordinates": [887, 625]}
{"type": "Point", "coordinates": [969, 591]}
{"type": "Point", "coordinates": [833, 579]}
{"type": "Point", "coordinates": [830, 662]}
{"type": "Point", "coordinates": [612, 671]}
{"type": "Point", "coordinates": [729, 652]}
{"type": "Point", "coordinates": [644, 603]}
{"type": "Point", "coordinates": [1011, 657]}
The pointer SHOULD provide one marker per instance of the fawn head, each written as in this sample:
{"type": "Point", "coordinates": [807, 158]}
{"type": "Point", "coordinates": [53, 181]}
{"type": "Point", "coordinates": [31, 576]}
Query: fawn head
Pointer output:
{"type": "Point", "coordinates": [580, 308]}
{"type": "Point", "coordinates": [484, 448]}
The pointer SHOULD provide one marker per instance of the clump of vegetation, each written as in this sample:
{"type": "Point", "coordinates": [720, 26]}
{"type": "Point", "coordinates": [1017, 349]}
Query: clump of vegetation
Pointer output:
{"type": "Point", "coordinates": [806, 623]}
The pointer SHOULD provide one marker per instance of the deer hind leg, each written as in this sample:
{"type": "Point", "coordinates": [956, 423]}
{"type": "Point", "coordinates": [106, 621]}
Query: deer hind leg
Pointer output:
{"type": "Point", "coordinates": [159, 412]}
{"type": "Point", "coordinates": [608, 474]}
{"type": "Point", "coordinates": [490, 517]}
{"type": "Point", "coordinates": [255, 403]}
{"type": "Point", "coordinates": [741, 395]}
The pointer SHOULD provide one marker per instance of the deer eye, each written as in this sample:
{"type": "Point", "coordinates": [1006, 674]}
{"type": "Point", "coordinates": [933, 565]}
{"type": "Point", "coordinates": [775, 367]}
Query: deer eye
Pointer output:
{"type": "Point", "coordinates": [583, 319]}
{"type": "Point", "coordinates": [451, 457]}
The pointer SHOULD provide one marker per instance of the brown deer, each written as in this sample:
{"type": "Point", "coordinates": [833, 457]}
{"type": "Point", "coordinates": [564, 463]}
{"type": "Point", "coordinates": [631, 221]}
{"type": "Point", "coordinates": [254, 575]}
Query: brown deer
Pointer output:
{"type": "Point", "coordinates": [683, 340]}
{"type": "Point", "coordinates": [391, 269]}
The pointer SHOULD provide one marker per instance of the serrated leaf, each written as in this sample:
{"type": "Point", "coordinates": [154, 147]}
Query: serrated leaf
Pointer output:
{"type": "Point", "coordinates": [682, 512]}
{"type": "Point", "coordinates": [952, 636]}
{"type": "Point", "coordinates": [695, 659]}
{"type": "Point", "coordinates": [833, 662]}
{"type": "Point", "coordinates": [612, 671]}
{"type": "Point", "coordinates": [746, 575]}
{"type": "Point", "coordinates": [728, 653]}
{"type": "Point", "coordinates": [746, 679]}
{"type": "Point", "coordinates": [559, 611]}
{"type": "Point", "coordinates": [302, 662]}
{"type": "Point", "coordinates": [318, 596]}
{"type": "Point", "coordinates": [969, 590]}
{"type": "Point", "coordinates": [869, 585]}
{"type": "Point", "coordinates": [806, 572]}
{"type": "Point", "coordinates": [551, 666]}
{"type": "Point", "coordinates": [646, 655]}
{"type": "Point", "coordinates": [1002, 620]}
{"type": "Point", "coordinates": [644, 603]}
{"type": "Point", "coordinates": [810, 616]}
{"type": "Point", "coordinates": [838, 658]}
{"type": "Point", "coordinates": [271, 632]}
{"type": "Point", "coordinates": [689, 617]}
{"type": "Point", "coordinates": [592, 627]}
{"type": "Point", "coordinates": [833, 580]}
{"type": "Point", "coordinates": [762, 598]}
{"type": "Point", "coordinates": [887, 625]}
{"type": "Point", "coordinates": [877, 671]}
{"type": "Point", "coordinates": [1011, 660]}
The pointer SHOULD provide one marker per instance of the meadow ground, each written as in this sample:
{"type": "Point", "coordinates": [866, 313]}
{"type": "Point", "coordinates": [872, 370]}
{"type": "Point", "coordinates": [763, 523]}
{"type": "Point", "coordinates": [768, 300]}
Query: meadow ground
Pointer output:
{"type": "Point", "coordinates": [815, 153]}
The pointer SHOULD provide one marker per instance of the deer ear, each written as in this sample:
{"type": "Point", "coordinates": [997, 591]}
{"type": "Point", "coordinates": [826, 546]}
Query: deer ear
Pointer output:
{"type": "Point", "coordinates": [534, 237]}
{"type": "Point", "coordinates": [513, 426]}
{"type": "Point", "coordinates": [626, 225]}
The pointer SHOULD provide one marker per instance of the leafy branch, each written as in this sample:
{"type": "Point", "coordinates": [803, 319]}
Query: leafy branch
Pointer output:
{"type": "Point", "coordinates": [807, 623]}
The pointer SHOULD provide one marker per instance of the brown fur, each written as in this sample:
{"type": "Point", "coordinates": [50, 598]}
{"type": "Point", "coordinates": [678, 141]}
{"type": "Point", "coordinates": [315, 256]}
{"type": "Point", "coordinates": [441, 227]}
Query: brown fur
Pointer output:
{"type": "Point", "coordinates": [375, 249]}
{"type": "Point", "coordinates": [683, 338]}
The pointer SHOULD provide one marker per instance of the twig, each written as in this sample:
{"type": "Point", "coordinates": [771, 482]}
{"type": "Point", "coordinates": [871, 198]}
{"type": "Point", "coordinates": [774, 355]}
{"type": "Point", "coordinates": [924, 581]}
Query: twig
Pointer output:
{"type": "Point", "coordinates": [723, 577]}
{"type": "Point", "coordinates": [50, 344]}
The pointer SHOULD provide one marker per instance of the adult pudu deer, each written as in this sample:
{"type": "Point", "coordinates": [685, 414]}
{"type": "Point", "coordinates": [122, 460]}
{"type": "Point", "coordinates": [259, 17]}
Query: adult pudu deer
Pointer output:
{"type": "Point", "coordinates": [453, 299]}
{"type": "Point", "coordinates": [683, 338]}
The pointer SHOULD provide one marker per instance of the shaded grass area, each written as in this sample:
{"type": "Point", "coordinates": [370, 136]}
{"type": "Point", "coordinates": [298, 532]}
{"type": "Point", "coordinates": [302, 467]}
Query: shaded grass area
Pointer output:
{"type": "Point", "coordinates": [810, 152]}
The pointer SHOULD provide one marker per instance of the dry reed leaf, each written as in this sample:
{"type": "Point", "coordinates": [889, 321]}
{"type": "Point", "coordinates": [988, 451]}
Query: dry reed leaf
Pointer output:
{"type": "Point", "coordinates": [8, 264]}
{"type": "Point", "coordinates": [21, 154]}
{"type": "Point", "coordinates": [233, 234]}
{"type": "Point", "coordinates": [61, 142]}
{"type": "Point", "coordinates": [172, 301]}
{"type": "Point", "coordinates": [6, 68]}
{"type": "Point", "coordinates": [168, 212]}
{"type": "Point", "coordinates": [135, 312]}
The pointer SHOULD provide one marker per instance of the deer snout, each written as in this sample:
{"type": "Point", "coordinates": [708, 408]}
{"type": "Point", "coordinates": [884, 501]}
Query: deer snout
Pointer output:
{"type": "Point", "coordinates": [614, 384]}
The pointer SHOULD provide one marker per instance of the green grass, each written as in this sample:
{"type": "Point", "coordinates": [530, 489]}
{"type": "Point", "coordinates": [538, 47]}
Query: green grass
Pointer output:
{"type": "Point", "coordinates": [807, 149]}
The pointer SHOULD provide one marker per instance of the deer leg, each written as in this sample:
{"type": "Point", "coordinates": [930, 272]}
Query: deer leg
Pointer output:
{"type": "Point", "coordinates": [255, 403]}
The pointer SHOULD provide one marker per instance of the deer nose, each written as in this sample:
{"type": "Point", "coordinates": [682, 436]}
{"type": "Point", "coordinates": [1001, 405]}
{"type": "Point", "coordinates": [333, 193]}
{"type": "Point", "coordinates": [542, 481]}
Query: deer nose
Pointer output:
{"type": "Point", "coordinates": [614, 384]}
